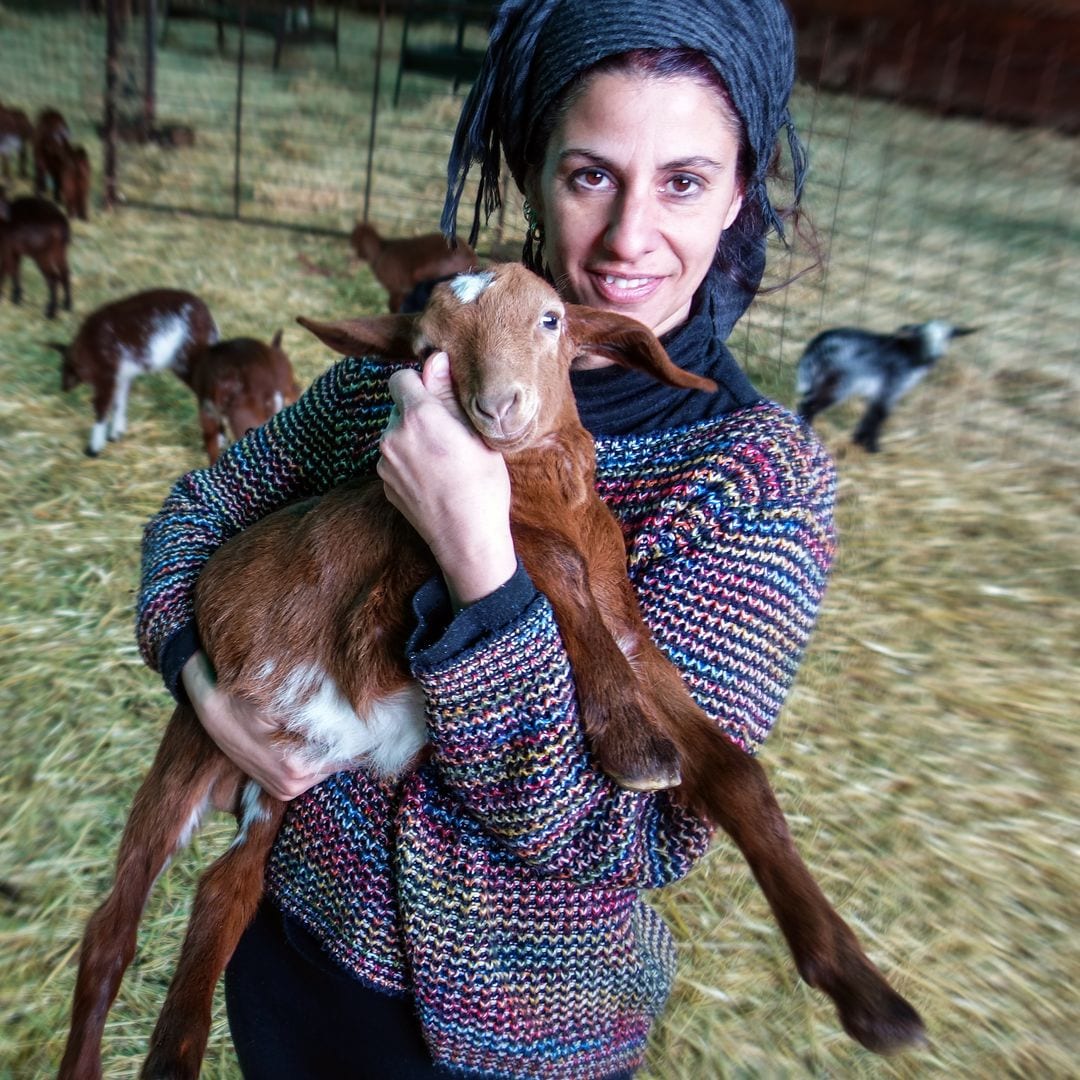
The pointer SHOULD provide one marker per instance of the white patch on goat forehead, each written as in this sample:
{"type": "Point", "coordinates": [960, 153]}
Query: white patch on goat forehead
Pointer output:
{"type": "Point", "coordinates": [467, 287]}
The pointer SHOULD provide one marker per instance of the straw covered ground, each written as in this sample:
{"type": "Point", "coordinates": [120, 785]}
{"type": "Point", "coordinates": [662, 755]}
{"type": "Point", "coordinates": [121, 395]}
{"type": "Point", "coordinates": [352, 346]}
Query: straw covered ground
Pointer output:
{"type": "Point", "coordinates": [926, 756]}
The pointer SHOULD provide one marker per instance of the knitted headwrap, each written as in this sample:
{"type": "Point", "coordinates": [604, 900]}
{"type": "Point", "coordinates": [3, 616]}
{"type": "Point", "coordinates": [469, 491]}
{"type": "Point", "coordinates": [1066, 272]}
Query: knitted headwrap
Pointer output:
{"type": "Point", "coordinates": [537, 47]}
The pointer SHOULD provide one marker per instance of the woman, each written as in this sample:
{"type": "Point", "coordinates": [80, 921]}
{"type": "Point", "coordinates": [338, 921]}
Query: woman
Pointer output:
{"type": "Point", "coordinates": [482, 915]}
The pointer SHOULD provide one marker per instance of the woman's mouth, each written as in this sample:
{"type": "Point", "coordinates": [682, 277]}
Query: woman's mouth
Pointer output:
{"type": "Point", "coordinates": [624, 289]}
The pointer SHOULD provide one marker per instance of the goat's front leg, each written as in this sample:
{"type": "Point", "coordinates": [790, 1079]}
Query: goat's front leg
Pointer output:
{"type": "Point", "coordinates": [167, 809]}
{"type": "Point", "coordinates": [868, 432]}
{"type": "Point", "coordinates": [629, 743]}
{"type": "Point", "coordinates": [225, 903]}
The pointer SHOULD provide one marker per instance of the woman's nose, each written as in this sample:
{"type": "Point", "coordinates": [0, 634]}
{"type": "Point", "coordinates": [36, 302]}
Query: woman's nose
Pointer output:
{"type": "Point", "coordinates": [632, 227]}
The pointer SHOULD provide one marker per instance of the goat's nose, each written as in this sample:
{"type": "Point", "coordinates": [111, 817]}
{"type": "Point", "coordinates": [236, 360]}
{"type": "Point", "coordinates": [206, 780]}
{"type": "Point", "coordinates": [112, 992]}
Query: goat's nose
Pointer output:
{"type": "Point", "coordinates": [503, 414]}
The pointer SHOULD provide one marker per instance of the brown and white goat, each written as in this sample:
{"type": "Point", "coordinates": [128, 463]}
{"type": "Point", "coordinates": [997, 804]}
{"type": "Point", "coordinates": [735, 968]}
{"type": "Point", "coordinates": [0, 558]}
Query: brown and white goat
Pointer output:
{"type": "Point", "coordinates": [37, 229]}
{"type": "Point", "coordinates": [325, 642]}
{"type": "Point", "coordinates": [154, 330]}
{"type": "Point", "coordinates": [16, 135]}
{"type": "Point", "coordinates": [240, 383]}
{"type": "Point", "coordinates": [400, 265]}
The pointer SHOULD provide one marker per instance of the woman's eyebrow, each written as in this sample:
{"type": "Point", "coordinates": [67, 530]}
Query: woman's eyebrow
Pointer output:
{"type": "Point", "coordinates": [696, 161]}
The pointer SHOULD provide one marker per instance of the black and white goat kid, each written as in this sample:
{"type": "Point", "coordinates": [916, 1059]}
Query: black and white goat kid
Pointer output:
{"type": "Point", "coordinates": [847, 362]}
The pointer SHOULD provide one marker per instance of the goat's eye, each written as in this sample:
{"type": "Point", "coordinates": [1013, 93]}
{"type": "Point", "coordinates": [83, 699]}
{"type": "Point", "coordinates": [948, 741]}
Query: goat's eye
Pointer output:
{"type": "Point", "coordinates": [549, 320]}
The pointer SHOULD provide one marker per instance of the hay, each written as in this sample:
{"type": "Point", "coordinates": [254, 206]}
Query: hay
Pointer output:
{"type": "Point", "coordinates": [926, 756]}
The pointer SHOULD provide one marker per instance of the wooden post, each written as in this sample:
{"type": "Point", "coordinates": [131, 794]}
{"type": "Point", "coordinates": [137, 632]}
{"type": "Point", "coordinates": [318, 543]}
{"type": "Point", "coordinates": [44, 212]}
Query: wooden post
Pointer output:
{"type": "Point", "coordinates": [150, 47]}
{"type": "Point", "coordinates": [112, 82]}
{"type": "Point", "coordinates": [239, 109]}
{"type": "Point", "coordinates": [374, 107]}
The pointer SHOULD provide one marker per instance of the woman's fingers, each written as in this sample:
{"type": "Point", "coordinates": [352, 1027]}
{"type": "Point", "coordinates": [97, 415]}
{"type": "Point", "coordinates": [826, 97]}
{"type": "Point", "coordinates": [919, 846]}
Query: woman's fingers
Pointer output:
{"type": "Point", "coordinates": [249, 738]}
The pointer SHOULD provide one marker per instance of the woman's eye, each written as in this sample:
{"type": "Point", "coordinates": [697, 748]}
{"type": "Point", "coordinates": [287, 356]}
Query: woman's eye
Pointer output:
{"type": "Point", "coordinates": [549, 320]}
{"type": "Point", "coordinates": [684, 185]}
{"type": "Point", "coordinates": [591, 179]}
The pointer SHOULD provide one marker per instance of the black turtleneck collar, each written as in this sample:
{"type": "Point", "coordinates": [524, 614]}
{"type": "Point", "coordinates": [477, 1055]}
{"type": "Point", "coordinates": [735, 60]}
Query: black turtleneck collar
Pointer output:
{"type": "Point", "coordinates": [614, 400]}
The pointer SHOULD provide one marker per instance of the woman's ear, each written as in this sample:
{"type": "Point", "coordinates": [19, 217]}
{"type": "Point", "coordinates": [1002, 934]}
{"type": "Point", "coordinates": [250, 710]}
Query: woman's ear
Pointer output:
{"type": "Point", "coordinates": [733, 209]}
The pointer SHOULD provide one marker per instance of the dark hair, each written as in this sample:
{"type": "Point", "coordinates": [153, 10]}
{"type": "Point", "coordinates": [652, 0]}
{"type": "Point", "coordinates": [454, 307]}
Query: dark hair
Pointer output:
{"type": "Point", "coordinates": [739, 253]}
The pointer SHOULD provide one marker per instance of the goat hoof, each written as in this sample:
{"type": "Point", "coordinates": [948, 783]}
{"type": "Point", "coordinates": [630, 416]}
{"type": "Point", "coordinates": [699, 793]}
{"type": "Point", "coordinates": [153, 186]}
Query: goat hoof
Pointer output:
{"type": "Point", "coordinates": [886, 1025]}
{"type": "Point", "coordinates": [653, 768]}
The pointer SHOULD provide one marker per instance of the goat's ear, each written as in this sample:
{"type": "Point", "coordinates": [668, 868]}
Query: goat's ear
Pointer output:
{"type": "Point", "coordinates": [386, 335]}
{"type": "Point", "coordinates": [630, 343]}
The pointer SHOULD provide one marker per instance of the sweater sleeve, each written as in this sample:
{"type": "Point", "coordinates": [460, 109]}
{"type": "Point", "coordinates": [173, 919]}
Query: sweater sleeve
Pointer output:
{"type": "Point", "coordinates": [330, 434]}
{"type": "Point", "coordinates": [729, 565]}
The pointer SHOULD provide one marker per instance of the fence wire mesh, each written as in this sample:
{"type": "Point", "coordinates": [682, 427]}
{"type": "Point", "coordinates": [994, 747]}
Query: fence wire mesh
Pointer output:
{"type": "Point", "coordinates": [920, 213]}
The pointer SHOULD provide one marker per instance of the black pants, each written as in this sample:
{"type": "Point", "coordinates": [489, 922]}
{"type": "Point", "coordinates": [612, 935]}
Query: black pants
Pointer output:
{"type": "Point", "coordinates": [294, 1015]}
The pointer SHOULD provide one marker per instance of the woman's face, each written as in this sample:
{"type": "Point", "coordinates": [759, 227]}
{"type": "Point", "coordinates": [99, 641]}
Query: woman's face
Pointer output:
{"type": "Point", "coordinates": [638, 182]}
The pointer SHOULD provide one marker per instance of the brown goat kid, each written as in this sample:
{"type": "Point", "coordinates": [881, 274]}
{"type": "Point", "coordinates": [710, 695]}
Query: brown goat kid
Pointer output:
{"type": "Point", "coordinates": [61, 169]}
{"type": "Point", "coordinates": [75, 183]}
{"type": "Point", "coordinates": [400, 265]}
{"type": "Point", "coordinates": [52, 143]}
{"type": "Point", "coordinates": [240, 383]}
{"type": "Point", "coordinates": [511, 342]}
{"type": "Point", "coordinates": [16, 136]}
{"type": "Point", "coordinates": [39, 230]}
{"type": "Point", "coordinates": [147, 331]}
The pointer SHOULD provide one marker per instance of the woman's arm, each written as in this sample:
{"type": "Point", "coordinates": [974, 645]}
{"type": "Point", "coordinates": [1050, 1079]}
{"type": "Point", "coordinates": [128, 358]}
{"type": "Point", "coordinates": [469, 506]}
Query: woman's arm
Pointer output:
{"type": "Point", "coordinates": [729, 569]}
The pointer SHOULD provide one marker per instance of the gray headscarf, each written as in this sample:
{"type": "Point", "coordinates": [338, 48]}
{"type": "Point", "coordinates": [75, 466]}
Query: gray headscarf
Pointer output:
{"type": "Point", "coordinates": [537, 47]}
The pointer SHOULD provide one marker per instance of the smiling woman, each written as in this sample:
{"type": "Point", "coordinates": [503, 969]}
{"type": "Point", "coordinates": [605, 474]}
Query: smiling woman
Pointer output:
{"type": "Point", "coordinates": [639, 181]}
{"type": "Point", "coordinates": [481, 914]}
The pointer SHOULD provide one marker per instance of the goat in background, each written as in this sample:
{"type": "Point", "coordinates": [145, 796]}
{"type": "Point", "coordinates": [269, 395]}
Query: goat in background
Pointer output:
{"type": "Point", "coordinates": [847, 362]}
{"type": "Point", "coordinates": [401, 265]}
{"type": "Point", "coordinates": [37, 229]}
{"type": "Point", "coordinates": [240, 383]}
{"type": "Point", "coordinates": [511, 342]}
{"type": "Point", "coordinates": [153, 330]}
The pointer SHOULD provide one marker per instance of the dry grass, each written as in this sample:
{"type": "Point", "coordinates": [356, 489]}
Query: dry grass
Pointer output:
{"type": "Point", "coordinates": [927, 754]}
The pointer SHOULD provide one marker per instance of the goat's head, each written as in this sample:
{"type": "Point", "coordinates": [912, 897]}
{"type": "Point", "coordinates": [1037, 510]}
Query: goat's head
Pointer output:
{"type": "Point", "coordinates": [511, 342]}
{"type": "Point", "coordinates": [365, 241]}
{"type": "Point", "coordinates": [933, 337]}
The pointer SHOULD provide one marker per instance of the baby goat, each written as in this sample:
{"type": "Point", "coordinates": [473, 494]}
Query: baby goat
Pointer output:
{"type": "Point", "coordinates": [846, 362]}
{"type": "Point", "coordinates": [75, 182]}
{"type": "Point", "coordinates": [241, 383]}
{"type": "Point", "coordinates": [39, 230]}
{"type": "Point", "coordinates": [147, 331]}
{"type": "Point", "coordinates": [16, 134]}
{"type": "Point", "coordinates": [401, 265]}
{"type": "Point", "coordinates": [325, 634]}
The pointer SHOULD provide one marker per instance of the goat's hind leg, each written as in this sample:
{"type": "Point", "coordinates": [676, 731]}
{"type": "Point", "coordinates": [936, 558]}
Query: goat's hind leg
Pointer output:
{"type": "Point", "coordinates": [167, 808]}
{"type": "Point", "coordinates": [731, 789]}
{"type": "Point", "coordinates": [225, 903]}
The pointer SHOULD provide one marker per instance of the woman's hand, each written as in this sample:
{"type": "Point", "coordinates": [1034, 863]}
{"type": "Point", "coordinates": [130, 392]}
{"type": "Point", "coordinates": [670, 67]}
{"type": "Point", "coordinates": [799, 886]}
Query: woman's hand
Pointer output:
{"type": "Point", "coordinates": [245, 736]}
{"type": "Point", "coordinates": [452, 487]}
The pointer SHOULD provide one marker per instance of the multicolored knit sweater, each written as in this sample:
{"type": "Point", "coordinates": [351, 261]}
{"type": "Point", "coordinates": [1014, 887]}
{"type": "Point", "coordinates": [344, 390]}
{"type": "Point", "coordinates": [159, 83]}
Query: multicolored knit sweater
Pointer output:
{"type": "Point", "coordinates": [498, 883]}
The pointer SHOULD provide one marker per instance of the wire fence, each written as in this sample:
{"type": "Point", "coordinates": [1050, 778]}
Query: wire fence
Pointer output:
{"type": "Point", "coordinates": [921, 212]}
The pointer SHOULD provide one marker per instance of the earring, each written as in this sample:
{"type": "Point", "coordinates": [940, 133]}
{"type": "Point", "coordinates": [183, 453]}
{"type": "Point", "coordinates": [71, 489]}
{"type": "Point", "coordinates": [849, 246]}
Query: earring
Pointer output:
{"type": "Point", "coordinates": [532, 254]}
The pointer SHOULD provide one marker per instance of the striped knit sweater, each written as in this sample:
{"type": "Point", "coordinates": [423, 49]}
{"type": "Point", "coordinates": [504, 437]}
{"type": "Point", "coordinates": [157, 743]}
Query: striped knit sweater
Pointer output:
{"type": "Point", "coordinates": [498, 883]}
